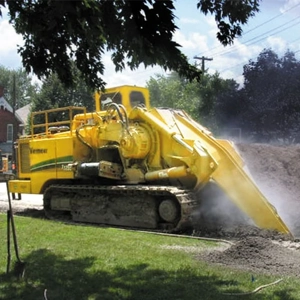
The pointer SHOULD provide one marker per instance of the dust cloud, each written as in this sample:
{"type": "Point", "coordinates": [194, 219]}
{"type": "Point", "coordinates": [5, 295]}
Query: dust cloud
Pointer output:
{"type": "Point", "coordinates": [276, 171]}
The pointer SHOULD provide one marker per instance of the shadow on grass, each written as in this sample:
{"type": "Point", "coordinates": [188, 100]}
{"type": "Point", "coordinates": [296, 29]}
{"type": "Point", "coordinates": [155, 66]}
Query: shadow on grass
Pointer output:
{"type": "Point", "coordinates": [32, 213]}
{"type": "Point", "coordinates": [78, 279]}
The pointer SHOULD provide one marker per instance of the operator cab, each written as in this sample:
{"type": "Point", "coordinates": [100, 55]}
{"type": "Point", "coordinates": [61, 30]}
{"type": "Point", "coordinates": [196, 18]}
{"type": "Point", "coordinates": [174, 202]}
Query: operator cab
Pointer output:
{"type": "Point", "coordinates": [128, 96]}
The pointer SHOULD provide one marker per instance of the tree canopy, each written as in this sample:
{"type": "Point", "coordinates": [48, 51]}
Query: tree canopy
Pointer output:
{"type": "Point", "coordinates": [212, 103]}
{"type": "Point", "coordinates": [174, 92]}
{"type": "Point", "coordinates": [271, 95]}
{"type": "Point", "coordinates": [53, 94]}
{"type": "Point", "coordinates": [136, 32]}
{"type": "Point", "coordinates": [265, 109]}
{"type": "Point", "coordinates": [18, 86]}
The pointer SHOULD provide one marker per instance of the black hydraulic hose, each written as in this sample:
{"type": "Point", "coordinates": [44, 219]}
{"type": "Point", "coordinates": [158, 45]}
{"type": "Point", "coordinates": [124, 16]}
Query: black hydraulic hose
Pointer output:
{"type": "Point", "coordinates": [117, 108]}
{"type": "Point", "coordinates": [125, 115]}
{"type": "Point", "coordinates": [124, 119]}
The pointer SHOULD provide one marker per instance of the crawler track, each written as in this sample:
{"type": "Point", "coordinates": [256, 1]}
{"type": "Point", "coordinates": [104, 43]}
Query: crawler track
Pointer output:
{"type": "Point", "coordinates": [148, 207]}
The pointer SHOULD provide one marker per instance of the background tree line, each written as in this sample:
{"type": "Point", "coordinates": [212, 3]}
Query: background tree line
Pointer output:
{"type": "Point", "coordinates": [266, 108]}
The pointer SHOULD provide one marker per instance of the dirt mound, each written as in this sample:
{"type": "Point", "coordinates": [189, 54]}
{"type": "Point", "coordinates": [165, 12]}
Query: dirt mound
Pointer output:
{"type": "Point", "coordinates": [259, 255]}
{"type": "Point", "coordinates": [276, 171]}
{"type": "Point", "coordinates": [239, 232]}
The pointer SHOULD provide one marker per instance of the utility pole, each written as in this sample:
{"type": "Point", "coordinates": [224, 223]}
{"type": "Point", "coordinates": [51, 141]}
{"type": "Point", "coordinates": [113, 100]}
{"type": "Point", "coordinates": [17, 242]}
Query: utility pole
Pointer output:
{"type": "Point", "coordinates": [14, 129]}
{"type": "Point", "coordinates": [203, 59]}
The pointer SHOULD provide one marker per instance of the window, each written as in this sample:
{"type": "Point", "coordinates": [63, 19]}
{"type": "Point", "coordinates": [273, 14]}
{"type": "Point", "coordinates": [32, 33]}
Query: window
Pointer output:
{"type": "Point", "coordinates": [114, 97]}
{"type": "Point", "coordinates": [10, 133]}
{"type": "Point", "coordinates": [136, 98]}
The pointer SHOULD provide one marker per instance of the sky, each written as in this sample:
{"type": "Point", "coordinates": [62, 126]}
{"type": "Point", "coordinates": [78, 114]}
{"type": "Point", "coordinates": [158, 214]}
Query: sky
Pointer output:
{"type": "Point", "coordinates": [276, 26]}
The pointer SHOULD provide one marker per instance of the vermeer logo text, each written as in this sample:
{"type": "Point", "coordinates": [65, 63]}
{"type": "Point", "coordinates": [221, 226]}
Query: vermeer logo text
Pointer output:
{"type": "Point", "coordinates": [37, 151]}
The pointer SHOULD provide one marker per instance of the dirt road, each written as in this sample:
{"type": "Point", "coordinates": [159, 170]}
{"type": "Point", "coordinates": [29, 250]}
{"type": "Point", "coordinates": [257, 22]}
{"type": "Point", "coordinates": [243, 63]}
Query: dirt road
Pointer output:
{"type": "Point", "coordinates": [27, 201]}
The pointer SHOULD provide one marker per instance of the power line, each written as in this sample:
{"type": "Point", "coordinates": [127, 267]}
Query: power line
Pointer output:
{"type": "Point", "coordinates": [243, 63]}
{"type": "Point", "coordinates": [270, 20]}
{"type": "Point", "coordinates": [263, 36]}
{"type": "Point", "coordinates": [252, 29]}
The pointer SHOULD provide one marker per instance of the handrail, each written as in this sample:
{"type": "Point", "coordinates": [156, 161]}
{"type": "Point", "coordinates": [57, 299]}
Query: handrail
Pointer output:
{"type": "Point", "coordinates": [48, 122]}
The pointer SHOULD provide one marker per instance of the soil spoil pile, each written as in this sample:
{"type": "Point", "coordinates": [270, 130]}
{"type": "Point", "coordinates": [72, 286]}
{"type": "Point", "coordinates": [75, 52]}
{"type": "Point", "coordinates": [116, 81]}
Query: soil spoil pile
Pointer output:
{"type": "Point", "coordinates": [276, 171]}
{"type": "Point", "coordinates": [259, 255]}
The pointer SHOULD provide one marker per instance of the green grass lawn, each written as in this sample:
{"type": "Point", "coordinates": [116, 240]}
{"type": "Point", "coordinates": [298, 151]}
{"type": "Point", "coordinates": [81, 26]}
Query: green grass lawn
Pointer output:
{"type": "Point", "coordinates": [85, 262]}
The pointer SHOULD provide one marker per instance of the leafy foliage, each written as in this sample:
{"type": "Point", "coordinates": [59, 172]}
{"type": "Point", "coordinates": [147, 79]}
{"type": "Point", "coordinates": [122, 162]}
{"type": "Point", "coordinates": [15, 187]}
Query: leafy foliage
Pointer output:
{"type": "Point", "coordinates": [220, 105]}
{"type": "Point", "coordinates": [174, 92]}
{"type": "Point", "coordinates": [53, 94]}
{"type": "Point", "coordinates": [17, 84]}
{"type": "Point", "coordinates": [229, 16]}
{"type": "Point", "coordinates": [265, 109]}
{"type": "Point", "coordinates": [212, 103]}
{"type": "Point", "coordinates": [136, 32]}
{"type": "Point", "coordinates": [271, 96]}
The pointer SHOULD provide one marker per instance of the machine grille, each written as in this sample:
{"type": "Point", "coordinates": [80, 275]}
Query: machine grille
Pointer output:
{"type": "Point", "coordinates": [25, 160]}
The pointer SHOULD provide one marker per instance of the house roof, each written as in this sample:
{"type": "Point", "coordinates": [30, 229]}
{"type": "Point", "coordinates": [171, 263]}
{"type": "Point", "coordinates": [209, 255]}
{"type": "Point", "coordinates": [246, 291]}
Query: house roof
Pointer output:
{"type": "Point", "coordinates": [23, 113]}
{"type": "Point", "coordinates": [5, 104]}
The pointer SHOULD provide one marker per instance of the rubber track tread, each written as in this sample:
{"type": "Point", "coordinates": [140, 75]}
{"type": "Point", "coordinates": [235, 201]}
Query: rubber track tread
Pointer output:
{"type": "Point", "coordinates": [184, 197]}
